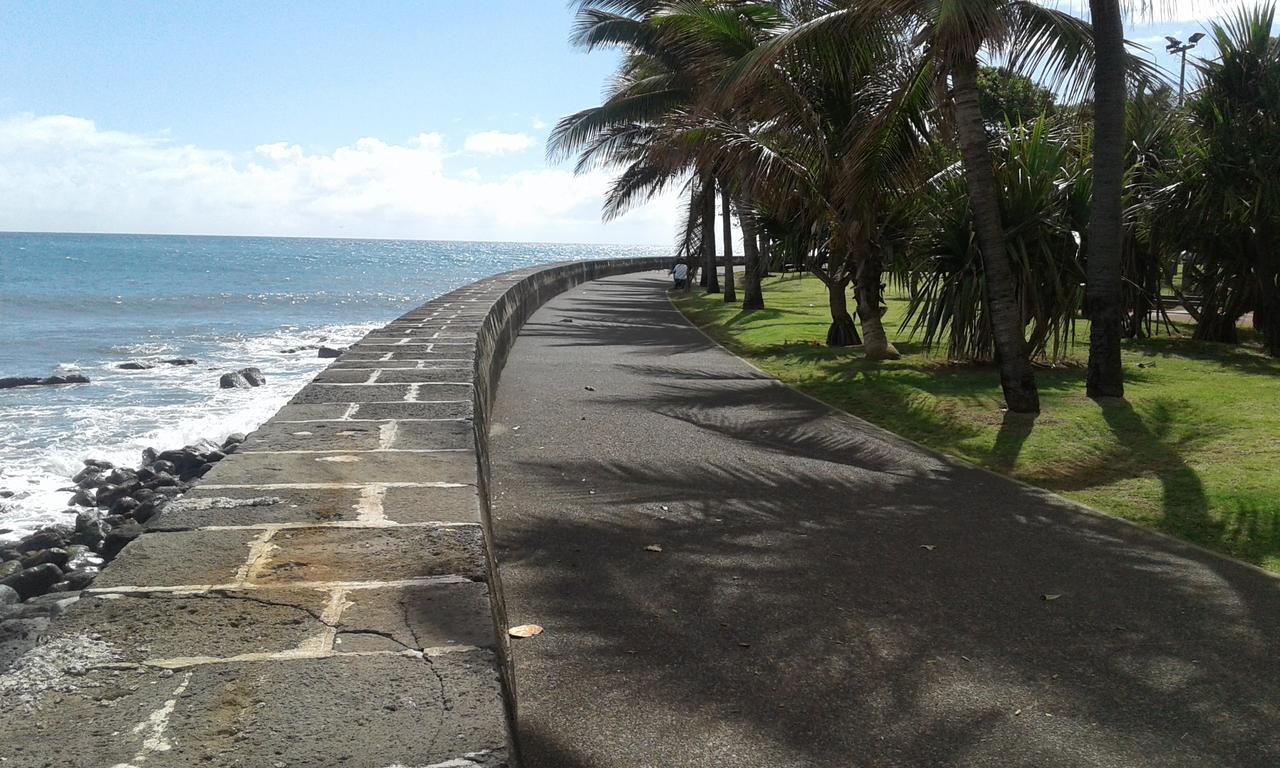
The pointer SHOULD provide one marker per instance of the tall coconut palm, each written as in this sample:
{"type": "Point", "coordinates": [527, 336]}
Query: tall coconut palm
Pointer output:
{"type": "Point", "coordinates": [730, 292]}
{"type": "Point", "coordinates": [1106, 235]}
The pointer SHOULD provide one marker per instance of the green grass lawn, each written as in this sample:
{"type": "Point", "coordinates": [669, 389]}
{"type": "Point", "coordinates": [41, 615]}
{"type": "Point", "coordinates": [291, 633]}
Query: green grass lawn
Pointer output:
{"type": "Point", "coordinates": [1193, 450]}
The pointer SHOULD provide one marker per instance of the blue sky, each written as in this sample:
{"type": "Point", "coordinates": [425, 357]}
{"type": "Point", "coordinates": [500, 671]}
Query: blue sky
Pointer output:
{"type": "Point", "coordinates": [380, 119]}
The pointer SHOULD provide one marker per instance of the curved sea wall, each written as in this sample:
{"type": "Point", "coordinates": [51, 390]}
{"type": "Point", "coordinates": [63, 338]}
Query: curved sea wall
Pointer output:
{"type": "Point", "coordinates": [327, 594]}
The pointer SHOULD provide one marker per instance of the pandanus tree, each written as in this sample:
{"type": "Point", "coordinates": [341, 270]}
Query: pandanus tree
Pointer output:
{"type": "Point", "coordinates": [1227, 198]}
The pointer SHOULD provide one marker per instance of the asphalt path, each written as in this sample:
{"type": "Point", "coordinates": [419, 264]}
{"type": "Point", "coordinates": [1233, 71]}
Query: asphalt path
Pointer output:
{"type": "Point", "coordinates": [731, 574]}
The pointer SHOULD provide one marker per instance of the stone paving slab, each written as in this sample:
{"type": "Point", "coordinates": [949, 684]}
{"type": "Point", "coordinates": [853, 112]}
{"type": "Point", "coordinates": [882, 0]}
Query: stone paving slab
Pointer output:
{"type": "Point", "coordinates": [209, 506]}
{"type": "Point", "coordinates": [419, 616]}
{"type": "Point", "coordinates": [324, 411]}
{"type": "Point", "coordinates": [348, 711]}
{"type": "Point", "coordinates": [429, 505]}
{"type": "Point", "coordinates": [179, 558]}
{"type": "Point", "coordinates": [349, 467]}
{"type": "Point", "coordinates": [321, 555]}
{"type": "Point", "coordinates": [212, 624]}
{"type": "Point", "coordinates": [459, 410]}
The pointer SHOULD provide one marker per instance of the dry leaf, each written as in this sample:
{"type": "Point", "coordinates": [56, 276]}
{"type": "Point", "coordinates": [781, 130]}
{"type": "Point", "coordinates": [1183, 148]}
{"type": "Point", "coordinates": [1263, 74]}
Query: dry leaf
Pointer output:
{"type": "Point", "coordinates": [929, 547]}
{"type": "Point", "coordinates": [1047, 598]}
{"type": "Point", "coordinates": [525, 630]}
{"type": "Point", "coordinates": [590, 389]}
{"type": "Point", "coordinates": [653, 548]}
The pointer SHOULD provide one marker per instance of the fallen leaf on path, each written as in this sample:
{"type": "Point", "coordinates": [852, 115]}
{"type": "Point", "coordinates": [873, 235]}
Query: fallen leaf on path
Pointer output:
{"type": "Point", "coordinates": [653, 548]}
{"type": "Point", "coordinates": [929, 547]}
{"type": "Point", "coordinates": [590, 389]}
{"type": "Point", "coordinates": [1047, 598]}
{"type": "Point", "coordinates": [525, 630]}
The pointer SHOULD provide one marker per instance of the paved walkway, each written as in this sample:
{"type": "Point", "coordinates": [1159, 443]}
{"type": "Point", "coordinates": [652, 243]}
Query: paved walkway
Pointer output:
{"type": "Point", "coordinates": [828, 595]}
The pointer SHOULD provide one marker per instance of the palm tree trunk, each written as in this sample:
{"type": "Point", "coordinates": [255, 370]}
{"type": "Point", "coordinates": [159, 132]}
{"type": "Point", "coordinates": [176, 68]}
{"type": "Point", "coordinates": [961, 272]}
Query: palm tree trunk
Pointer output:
{"type": "Point", "coordinates": [1016, 377]}
{"type": "Point", "coordinates": [709, 235]}
{"type": "Point", "coordinates": [730, 293]}
{"type": "Point", "coordinates": [763, 248]}
{"type": "Point", "coordinates": [1103, 277]}
{"type": "Point", "coordinates": [868, 291]}
{"type": "Point", "coordinates": [842, 333]}
{"type": "Point", "coordinates": [752, 294]}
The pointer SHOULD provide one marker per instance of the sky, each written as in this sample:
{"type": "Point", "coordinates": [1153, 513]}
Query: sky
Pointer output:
{"type": "Point", "coordinates": [422, 119]}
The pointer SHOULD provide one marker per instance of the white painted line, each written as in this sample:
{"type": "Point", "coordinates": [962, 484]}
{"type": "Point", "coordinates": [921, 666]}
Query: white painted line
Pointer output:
{"type": "Point", "coordinates": [351, 411]}
{"type": "Point", "coordinates": [373, 377]}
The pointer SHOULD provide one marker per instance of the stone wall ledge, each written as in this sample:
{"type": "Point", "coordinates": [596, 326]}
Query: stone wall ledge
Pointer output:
{"type": "Point", "coordinates": [327, 595]}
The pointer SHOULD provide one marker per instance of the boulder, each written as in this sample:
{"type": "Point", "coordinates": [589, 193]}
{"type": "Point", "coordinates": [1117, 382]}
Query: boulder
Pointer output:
{"type": "Point", "coordinates": [35, 381]}
{"type": "Point", "coordinates": [80, 579]}
{"type": "Point", "coordinates": [99, 463]}
{"type": "Point", "coordinates": [82, 498]}
{"type": "Point", "coordinates": [30, 582]}
{"type": "Point", "coordinates": [235, 438]}
{"type": "Point", "coordinates": [8, 595]}
{"type": "Point", "coordinates": [135, 365]}
{"type": "Point", "coordinates": [125, 507]}
{"type": "Point", "coordinates": [253, 376]}
{"type": "Point", "coordinates": [43, 539]}
{"type": "Point", "coordinates": [120, 537]}
{"type": "Point", "coordinates": [233, 380]}
{"type": "Point", "coordinates": [56, 555]}
{"type": "Point", "coordinates": [179, 361]}
{"type": "Point", "coordinates": [9, 567]}
{"type": "Point", "coordinates": [329, 352]}
{"type": "Point", "coordinates": [110, 494]}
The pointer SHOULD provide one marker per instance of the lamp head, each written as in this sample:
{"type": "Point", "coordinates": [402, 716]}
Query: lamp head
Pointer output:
{"type": "Point", "coordinates": [1197, 37]}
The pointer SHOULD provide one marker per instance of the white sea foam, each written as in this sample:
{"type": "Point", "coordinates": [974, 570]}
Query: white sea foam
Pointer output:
{"type": "Point", "coordinates": [45, 437]}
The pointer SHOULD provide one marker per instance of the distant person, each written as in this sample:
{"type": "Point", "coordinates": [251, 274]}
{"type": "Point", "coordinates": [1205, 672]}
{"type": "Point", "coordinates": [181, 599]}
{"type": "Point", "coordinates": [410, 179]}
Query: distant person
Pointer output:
{"type": "Point", "coordinates": [680, 273]}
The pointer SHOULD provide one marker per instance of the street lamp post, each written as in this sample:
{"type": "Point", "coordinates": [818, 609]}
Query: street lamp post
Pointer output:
{"type": "Point", "coordinates": [1177, 46]}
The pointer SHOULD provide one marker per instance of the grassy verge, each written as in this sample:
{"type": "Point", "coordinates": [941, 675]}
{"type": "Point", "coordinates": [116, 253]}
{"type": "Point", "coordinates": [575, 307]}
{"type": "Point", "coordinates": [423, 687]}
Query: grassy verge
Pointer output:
{"type": "Point", "coordinates": [1193, 450]}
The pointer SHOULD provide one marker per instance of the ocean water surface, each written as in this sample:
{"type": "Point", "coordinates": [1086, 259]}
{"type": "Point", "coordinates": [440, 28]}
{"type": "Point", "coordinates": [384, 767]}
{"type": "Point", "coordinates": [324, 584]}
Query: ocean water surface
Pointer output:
{"type": "Point", "coordinates": [87, 303]}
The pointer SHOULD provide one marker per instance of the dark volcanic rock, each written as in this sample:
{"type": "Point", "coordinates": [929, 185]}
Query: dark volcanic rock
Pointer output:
{"type": "Point", "coordinates": [99, 463]}
{"type": "Point", "coordinates": [35, 381]}
{"type": "Point", "coordinates": [328, 352]}
{"type": "Point", "coordinates": [253, 376]}
{"type": "Point", "coordinates": [135, 365]}
{"type": "Point", "coordinates": [179, 361]}
{"type": "Point", "coordinates": [82, 498]}
{"type": "Point", "coordinates": [119, 537]}
{"type": "Point", "coordinates": [9, 567]}
{"type": "Point", "coordinates": [44, 539]}
{"type": "Point", "coordinates": [56, 555]}
{"type": "Point", "coordinates": [30, 582]}
{"type": "Point", "coordinates": [8, 595]}
{"type": "Point", "coordinates": [232, 380]}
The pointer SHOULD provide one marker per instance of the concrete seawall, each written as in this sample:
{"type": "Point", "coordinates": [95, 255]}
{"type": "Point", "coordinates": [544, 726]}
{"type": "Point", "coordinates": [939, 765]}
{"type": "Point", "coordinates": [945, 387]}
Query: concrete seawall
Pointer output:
{"type": "Point", "coordinates": [327, 595]}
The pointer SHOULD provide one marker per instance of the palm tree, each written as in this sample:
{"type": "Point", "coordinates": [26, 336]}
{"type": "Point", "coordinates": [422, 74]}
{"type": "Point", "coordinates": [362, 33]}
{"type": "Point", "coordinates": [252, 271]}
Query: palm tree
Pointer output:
{"type": "Point", "coordinates": [730, 295]}
{"type": "Point", "coordinates": [1106, 234]}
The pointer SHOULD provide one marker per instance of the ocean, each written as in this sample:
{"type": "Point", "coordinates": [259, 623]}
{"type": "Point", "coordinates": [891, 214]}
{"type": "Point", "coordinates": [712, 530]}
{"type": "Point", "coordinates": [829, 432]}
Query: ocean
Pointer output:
{"type": "Point", "coordinates": [72, 303]}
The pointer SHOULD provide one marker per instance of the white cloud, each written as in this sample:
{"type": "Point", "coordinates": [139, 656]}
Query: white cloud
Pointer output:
{"type": "Point", "coordinates": [498, 143]}
{"type": "Point", "coordinates": [61, 173]}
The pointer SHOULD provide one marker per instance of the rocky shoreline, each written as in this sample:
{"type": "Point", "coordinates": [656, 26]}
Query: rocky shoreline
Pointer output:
{"type": "Point", "coordinates": [44, 572]}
